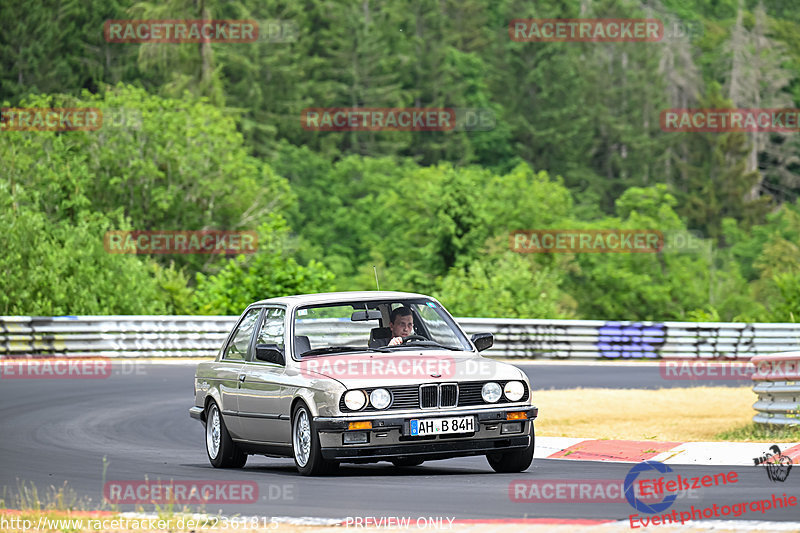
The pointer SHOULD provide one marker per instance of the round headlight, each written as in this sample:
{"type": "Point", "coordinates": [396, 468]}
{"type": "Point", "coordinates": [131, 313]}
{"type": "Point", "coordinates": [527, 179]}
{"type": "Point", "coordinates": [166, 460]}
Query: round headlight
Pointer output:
{"type": "Point", "coordinates": [355, 399]}
{"type": "Point", "coordinates": [514, 390]}
{"type": "Point", "coordinates": [491, 392]}
{"type": "Point", "coordinates": [380, 398]}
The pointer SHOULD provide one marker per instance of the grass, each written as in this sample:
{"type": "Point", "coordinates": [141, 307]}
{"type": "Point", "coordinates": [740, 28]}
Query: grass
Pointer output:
{"type": "Point", "coordinates": [27, 496]}
{"type": "Point", "coordinates": [758, 433]}
{"type": "Point", "coordinates": [676, 414]}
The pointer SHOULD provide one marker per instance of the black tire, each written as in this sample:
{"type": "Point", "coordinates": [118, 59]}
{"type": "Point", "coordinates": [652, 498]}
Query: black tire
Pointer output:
{"type": "Point", "coordinates": [403, 462]}
{"type": "Point", "coordinates": [513, 461]}
{"type": "Point", "coordinates": [303, 429]}
{"type": "Point", "coordinates": [227, 454]}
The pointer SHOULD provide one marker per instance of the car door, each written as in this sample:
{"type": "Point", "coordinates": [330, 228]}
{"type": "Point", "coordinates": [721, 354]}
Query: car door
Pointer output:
{"type": "Point", "coordinates": [263, 399]}
{"type": "Point", "coordinates": [229, 369]}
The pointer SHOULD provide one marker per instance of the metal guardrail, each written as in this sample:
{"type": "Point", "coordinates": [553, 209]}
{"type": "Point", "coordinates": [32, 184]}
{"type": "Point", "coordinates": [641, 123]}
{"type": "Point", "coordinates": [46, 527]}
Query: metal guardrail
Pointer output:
{"type": "Point", "coordinates": [201, 336]}
{"type": "Point", "coordinates": [624, 340]}
{"type": "Point", "coordinates": [114, 336]}
{"type": "Point", "coordinates": [777, 383]}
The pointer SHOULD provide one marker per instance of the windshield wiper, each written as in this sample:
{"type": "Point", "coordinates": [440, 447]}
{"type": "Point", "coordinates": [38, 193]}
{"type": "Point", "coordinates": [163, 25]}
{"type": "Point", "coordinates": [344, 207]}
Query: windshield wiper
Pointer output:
{"type": "Point", "coordinates": [425, 344]}
{"type": "Point", "coordinates": [336, 349]}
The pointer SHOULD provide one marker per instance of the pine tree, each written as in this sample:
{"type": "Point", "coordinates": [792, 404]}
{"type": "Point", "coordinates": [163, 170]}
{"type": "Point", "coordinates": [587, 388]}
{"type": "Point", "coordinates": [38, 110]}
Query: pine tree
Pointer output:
{"type": "Point", "coordinates": [757, 80]}
{"type": "Point", "coordinates": [714, 178]}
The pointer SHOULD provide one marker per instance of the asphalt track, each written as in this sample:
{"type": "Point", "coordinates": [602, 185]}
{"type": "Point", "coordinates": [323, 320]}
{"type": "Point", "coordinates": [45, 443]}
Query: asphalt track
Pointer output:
{"type": "Point", "coordinates": [54, 431]}
{"type": "Point", "coordinates": [640, 375]}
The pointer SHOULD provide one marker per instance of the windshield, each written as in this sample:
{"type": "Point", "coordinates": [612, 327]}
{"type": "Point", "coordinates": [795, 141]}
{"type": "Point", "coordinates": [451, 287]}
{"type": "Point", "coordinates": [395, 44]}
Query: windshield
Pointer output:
{"type": "Point", "coordinates": [345, 327]}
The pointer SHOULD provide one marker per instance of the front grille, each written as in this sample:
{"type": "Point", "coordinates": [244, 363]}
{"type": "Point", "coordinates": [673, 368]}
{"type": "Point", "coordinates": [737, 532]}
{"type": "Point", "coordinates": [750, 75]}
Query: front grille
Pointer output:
{"type": "Point", "coordinates": [408, 396]}
{"type": "Point", "coordinates": [428, 396]}
{"type": "Point", "coordinates": [470, 393]}
{"type": "Point", "coordinates": [448, 395]}
{"type": "Point", "coordinates": [404, 398]}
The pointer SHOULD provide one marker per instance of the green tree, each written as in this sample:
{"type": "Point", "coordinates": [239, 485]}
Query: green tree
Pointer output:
{"type": "Point", "coordinates": [713, 181]}
{"type": "Point", "coordinates": [639, 286]}
{"type": "Point", "coordinates": [171, 165]}
{"type": "Point", "coordinates": [268, 273]}
{"type": "Point", "coordinates": [53, 259]}
{"type": "Point", "coordinates": [505, 285]}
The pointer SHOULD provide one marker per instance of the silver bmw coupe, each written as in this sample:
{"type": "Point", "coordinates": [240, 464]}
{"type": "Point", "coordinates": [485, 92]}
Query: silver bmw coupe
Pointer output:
{"type": "Point", "coordinates": [360, 377]}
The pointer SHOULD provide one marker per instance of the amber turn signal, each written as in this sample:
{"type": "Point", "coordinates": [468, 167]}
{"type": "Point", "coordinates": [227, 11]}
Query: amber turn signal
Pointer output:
{"type": "Point", "coordinates": [360, 425]}
{"type": "Point", "coordinates": [517, 415]}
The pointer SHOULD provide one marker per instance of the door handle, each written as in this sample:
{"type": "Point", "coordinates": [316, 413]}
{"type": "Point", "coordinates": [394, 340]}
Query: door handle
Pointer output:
{"type": "Point", "coordinates": [241, 377]}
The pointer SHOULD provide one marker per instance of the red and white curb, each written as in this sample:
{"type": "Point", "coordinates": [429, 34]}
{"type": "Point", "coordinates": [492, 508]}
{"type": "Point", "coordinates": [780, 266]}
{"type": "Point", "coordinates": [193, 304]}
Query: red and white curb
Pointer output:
{"type": "Point", "coordinates": [676, 453]}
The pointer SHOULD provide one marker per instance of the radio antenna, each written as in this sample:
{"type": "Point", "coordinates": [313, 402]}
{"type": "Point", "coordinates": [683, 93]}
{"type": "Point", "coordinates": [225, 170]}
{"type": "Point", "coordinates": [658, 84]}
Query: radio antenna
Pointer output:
{"type": "Point", "coordinates": [377, 285]}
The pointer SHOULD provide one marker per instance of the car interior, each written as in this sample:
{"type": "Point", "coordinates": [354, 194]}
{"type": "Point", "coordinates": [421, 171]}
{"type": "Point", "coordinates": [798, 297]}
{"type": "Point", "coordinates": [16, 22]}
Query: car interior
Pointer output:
{"type": "Point", "coordinates": [383, 332]}
{"type": "Point", "coordinates": [377, 335]}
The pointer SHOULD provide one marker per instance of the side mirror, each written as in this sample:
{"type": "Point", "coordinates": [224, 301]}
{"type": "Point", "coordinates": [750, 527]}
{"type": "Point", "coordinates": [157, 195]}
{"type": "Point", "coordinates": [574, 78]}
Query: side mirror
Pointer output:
{"type": "Point", "coordinates": [482, 341]}
{"type": "Point", "coordinates": [270, 353]}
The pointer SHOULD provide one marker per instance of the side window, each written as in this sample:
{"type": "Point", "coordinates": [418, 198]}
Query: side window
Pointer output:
{"type": "Point", "coordinates": [272, 329]}
{"type": "Point", "coordinates": [237, 349]}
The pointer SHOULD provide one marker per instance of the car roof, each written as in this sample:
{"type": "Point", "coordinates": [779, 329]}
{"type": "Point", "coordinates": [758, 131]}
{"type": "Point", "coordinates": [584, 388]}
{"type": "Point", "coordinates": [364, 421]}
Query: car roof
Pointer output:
{"type": "Point", "coordinates": [332, 297]}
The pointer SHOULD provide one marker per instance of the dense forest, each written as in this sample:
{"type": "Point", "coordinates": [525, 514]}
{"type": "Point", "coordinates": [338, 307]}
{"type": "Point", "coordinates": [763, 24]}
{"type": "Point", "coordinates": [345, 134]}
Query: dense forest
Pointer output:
{"type": "Point", "coordinates": [209, 136]}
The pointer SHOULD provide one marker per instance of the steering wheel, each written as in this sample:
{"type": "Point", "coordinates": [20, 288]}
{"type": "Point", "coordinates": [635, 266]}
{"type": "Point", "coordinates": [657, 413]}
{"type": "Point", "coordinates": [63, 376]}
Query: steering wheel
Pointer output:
{"type": "Point", "coordinates": [413, 338]}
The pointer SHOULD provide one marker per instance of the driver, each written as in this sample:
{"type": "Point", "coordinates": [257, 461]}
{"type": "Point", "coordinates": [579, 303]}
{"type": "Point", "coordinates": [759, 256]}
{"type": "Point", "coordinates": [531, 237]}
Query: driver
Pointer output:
{"type": "Point", "coordinates": [401, 324]}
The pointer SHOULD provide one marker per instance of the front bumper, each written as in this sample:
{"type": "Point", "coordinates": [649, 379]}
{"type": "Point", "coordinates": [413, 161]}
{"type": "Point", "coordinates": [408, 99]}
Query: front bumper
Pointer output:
{"type": "Point", "coordinates": [389, 436]}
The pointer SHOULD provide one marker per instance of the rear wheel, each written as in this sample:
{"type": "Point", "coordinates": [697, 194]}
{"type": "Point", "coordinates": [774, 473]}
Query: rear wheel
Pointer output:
{"type": "Point", "coordinates": [222, 451]}
{"type": "Point", "coordinates": [407, 461]}
{"type": "Point", "coordinates": [513, 461]}
{"type": "Point", "coordinates": [305, 445]}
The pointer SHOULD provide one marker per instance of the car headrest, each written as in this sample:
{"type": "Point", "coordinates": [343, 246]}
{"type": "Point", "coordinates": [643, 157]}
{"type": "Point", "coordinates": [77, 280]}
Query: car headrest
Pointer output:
{"type": "Point", "coordinates": [379, 333]}
{"type": "Point", "coordinates": [301, 344]}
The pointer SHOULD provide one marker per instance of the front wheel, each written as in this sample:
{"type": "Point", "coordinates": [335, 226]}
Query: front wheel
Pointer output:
{"type": "Point", "coordinates": [222, 451]}
{"type": "Point", "coordinates": [305, 445]}
{"type": "Point", "coordinates": [513, 461]}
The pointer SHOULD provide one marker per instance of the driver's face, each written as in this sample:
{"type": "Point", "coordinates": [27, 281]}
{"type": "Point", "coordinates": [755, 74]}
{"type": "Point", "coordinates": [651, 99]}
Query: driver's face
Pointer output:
{"type": "Point", "coordinates": [403, 326]}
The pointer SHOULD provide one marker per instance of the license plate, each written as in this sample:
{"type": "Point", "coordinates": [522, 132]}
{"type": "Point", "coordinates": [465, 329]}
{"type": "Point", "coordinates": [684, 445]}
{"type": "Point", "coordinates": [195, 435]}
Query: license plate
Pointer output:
{"type": "Point", "coordinates": [442, 426]}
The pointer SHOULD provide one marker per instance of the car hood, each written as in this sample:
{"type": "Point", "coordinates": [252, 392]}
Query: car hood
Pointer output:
{"type": "Point", "coordinates": [370, 370]}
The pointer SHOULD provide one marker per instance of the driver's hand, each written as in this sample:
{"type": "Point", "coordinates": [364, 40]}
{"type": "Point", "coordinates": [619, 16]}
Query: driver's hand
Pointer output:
{"type": "Point", "coordinates": [396, 341]}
